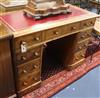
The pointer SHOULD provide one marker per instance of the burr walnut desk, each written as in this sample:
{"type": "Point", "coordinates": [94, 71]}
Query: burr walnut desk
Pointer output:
{"type": "Point", "coordinates": [71, 32]}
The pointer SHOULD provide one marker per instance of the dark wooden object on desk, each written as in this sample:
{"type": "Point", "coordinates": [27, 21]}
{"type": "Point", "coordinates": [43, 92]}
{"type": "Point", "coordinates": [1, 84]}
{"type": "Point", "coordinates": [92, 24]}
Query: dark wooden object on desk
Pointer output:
{"type": "Point", "coordinates": [7, 87]}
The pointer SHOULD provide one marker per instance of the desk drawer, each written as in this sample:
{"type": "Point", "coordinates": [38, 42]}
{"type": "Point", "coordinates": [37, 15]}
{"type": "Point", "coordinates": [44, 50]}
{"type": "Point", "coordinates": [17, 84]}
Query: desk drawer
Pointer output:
{"type": "Point", "coordinates": [87, 23]}
{"type": "Point", "coordinates": [28, 80]}
{"type": "Point", "coordinates": [79, 55]}
{"type": "Point", "coordinates": [29, 40]}
{"type": "Point", "coordinates": [29, 55]}
{"type": "Point", "coordinates": [74, 27]}
{"type": "Point", "coordinates": [82, 45]}
{"type": "Point", "coordinates": [76, 64]}
{"type": "Point", "coordinates": [71, 28]}
{"type": "Point", "coordinates": [84, 34]}
{"type": "Point", "coordinates": [29, 67]}
{"type": "Point", "coordinates": [52, 33]}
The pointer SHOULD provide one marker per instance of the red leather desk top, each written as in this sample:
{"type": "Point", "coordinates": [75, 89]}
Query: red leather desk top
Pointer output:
{"type": "Point", "coordinates": [18, 21]}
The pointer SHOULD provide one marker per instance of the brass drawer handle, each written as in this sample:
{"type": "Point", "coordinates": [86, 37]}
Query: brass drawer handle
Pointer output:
{"type": "Point", "coordinates": [23, 58]}
{"type": "Point", "coordinates": [45, 45]}
{"type": "Point", "coordinates": [83, 36]}
{"type": "Point", "coordinates": [24, 71]}
{"type": "Point", "coordinates": [36, 54]}
{"type": "Point", "coordinates": [85, 45]}
{"type": "Point", "coordinates": [22, 42]}
{"type": "Point", "coordinates": [25, 83]}
{"type": "Point", "coordinates": [35, 78]}
{"type": "Point", "coordinates": [92, 22]}
{"type": "Point", "coordinates": [56, 33]}
{"type": "Point", "coordinates": [89, 34]}
{"type": "Point", "coordinates": [86, 24]}
{"type": "Point", "coordinates": [82, 55]}
{"type": "Point", "coordinates": [76, 58]}
{"type": "Point", "coordinates": [80, 47]}
{"type": "Point", "coordinates": [35, 66]}
{"type": "Point", "coordinates": [37, 38]}
{"type": "Point", "coordinates": [74, 28]}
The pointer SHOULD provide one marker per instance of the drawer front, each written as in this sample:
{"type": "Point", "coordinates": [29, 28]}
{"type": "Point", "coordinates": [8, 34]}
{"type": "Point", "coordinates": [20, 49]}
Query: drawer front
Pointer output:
{"type": "Point", "coordinates": [28, 80]}
{"type": "Point", "coordinates": [73, 66]}
{"type": "Point", "coordinates": [52, 33]}
{"type": "Point", "coordinates": [87, 23]}
{"type": "Point", "coordinates": [29, 55]}
{"type": "Point", "coordinates": [82, 45]}
{"type": "Point", "coordinates": [70, 28]}
{"type": "Point", "coordinates": [79, 55]}
{"type": "Point", "coordinates": [65, 29]}
{"type": "Point", "coordinates": [29, 67]}
{"type": "Point", "coordinates": [74, 27]}
{"type": "Point", "coordinates": [84, 34]}
{"type": "Point", "coordinates": [29, 40]}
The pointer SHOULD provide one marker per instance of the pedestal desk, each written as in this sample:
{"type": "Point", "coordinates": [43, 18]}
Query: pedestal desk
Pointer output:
{"type": "Point", "coordinates": [71, 34]}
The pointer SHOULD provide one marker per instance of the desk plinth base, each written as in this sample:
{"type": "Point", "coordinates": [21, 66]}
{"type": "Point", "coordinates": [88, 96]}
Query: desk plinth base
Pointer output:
{"type": "Point", "coordinates": [73, 66]}
{"type": "Point", "coordinates": [28, 89]}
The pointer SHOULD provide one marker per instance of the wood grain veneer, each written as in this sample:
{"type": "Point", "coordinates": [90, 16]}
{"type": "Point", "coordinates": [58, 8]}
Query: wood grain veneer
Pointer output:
{"type": "Point", "coordinates": [71, 35]}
